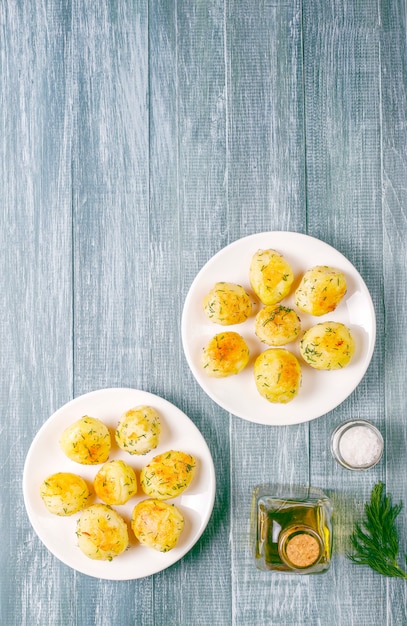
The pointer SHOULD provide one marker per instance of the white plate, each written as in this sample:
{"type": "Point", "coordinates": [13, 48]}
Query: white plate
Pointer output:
{"type": "Point", "coordinates": [321, 391]}
{"type": "Point", "coordinates": [45, 457]}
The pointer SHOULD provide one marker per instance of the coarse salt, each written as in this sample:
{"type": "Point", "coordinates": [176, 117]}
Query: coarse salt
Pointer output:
{"type": "Point", "coordinates": [360, 446]}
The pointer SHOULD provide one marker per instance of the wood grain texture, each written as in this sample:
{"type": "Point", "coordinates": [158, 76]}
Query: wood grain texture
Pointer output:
{"type": "Point", "coordinates": [343, 130]}
{"type": "Point", "coordinates": [393, 49]}
{"type": "Point", "coordinates": [136, 140]}
{"type": "Point", "coordinates": [187, 169]}
{"type": "Point", "coordinates": [36, 302]}
{"type": "Point", "coordinates": [111, 230]}
{"type": "Point", "coordinates": [266, 191]}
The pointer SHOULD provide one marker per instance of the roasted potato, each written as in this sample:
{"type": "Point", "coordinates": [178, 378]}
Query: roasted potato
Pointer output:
{"type": "Point", "coordinates": [225, 354]}
{"type": "Point", "coordinates": [87, 441]}
{"type": "Point", "coordinates": [138, 430]}
{"type": "Point", "coordinates": [102, 533]}
{"type": "Point", "coordinates": [115, 482]}
{"type": "Point", "coordinates": [327, 346]}
{"type": "Point", "coordinates": [64, 493]}
{"type": "Point", "coordinates": [157, 524]}
{"type": "Point", "coordinates": [277, 325]}
{"type": "Point", "coordinates": [168, 474]}
{"type": "Point", "coordinates": [320, 291]}
{"type": "Point", "coordinates": [277, 374]}
{"type": "Point", "coordinates": [271, 276]}
{"type": "Point", "coordinates": [227, 303]}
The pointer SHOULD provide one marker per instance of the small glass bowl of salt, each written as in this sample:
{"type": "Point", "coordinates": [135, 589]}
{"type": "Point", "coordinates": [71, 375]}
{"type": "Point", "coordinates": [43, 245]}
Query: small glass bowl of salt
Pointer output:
{"type": "Point", "coordinates": [357, 444]}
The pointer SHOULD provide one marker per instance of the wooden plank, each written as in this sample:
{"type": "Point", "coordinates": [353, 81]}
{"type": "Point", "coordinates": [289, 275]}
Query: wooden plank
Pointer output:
{"type": "Point", "coordinates": [35, 265]}
{"type": "Point", "coordinates": [343, 131]}
{"type": "Point", "coordinates": [111, 223]}
{"type": "Point", "coordinates": [265, 180]}
{"type": "Point", "coordinates": [187, 170]}
{"type": "Point", "coordinates": [394, 167]}
{"type": "Point", "coordinates": [112, 325]}
{"type": "Point", "coordinates": [266, 191]}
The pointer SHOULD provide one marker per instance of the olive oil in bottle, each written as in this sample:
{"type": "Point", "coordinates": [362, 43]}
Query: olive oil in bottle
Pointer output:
{"type": "Point", "coordinates": [291, 533]}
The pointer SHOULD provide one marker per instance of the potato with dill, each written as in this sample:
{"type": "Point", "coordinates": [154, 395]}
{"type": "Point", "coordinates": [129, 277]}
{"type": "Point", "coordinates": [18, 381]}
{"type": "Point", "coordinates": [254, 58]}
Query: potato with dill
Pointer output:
{"type": "Point", "coordinates": [227, 303]}
{"type": "Point", "coordinates": [64, 493]}
{"type": "Point", "coordinates": [87, 441]}
{"type": "Point", "coordinates": [226, 354]}
{"type": "Point", "coordinates": [321, 290]}
{"type": "Point", "coordinates": [271, 276]}
{"type": "Point", "coordinates": [277, 374]}
{"type": "Point", "coordinates": [157, 524]}
{"type": "Point", "coordinates": [115, 482]}
{"type": "Point", "coordinates": [327, 346]}
{"type": "Point", "coordinates": [138, 430]}
{"type": "Point", "coordinates": [277, 325]}
{"type": "Point", "coordinates": [168, 474]}
{"type": "Point", "coordinates": [102, 533]}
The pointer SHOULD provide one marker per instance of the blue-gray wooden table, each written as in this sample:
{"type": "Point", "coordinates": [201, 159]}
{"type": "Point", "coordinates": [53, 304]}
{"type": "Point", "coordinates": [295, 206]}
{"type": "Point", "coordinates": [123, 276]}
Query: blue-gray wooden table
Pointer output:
{"type": "Point", "coordinates": [138, 138]}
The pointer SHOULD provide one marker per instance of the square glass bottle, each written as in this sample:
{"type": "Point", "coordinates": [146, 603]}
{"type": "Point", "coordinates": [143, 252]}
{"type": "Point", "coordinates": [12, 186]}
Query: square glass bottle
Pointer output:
{"type": "Point", "coordinates": [291, 530]}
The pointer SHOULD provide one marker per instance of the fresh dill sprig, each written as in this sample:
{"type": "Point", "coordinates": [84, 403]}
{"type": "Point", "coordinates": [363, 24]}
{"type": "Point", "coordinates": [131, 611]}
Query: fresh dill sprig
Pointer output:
{"type": "Point", "coordinates": [375, 540]}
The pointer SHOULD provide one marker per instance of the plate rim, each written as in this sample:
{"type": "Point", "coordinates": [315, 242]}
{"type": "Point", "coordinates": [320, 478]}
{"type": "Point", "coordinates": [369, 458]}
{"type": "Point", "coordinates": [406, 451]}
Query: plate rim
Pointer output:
{"type": "Point", "coordinates": [26, 486]}
{"type": "Point", "coordinates": [294, 235]}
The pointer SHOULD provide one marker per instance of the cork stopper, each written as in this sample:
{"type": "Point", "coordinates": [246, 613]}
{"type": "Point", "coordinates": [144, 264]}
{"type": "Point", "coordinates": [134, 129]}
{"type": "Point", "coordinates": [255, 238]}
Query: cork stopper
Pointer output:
{"type": "Point", "coordinates": [300, 547]}
{"type": "Point", "coordinates": [302, 550]}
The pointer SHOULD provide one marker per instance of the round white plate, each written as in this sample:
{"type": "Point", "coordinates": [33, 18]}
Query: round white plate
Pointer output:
{"type": "Point", "coordinates": [45, 457]}
{"type": "Point", "coordinates": [321, 391]}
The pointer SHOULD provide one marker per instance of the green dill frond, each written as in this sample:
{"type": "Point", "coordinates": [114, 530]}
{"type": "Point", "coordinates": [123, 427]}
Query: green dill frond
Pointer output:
{"type": "Point", "coordinates": [375, 540]}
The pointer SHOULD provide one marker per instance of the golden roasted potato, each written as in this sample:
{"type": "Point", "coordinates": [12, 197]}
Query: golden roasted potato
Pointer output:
{"type": "Point", "coordinates": [327, 346]}
{"type": "Point", "coordinates": [271, 276]}
{"type": "Point", "coordinates": [64, 493]}
{"type": "Point", "coordinates": [157, 524]}
{"type": "Point", "coordinates": [102, 533]}
{"type": "Point", "coordinates": [277, 374]}
{"type": "Point", "coordinates": [168, 474]}
{"type": "Point", "coordinates": [87, 441]}
{"type": "Point", "coordinates": [138, 430]}
{"type": "Point", "coordinates": [225, 354]}
{"type": "Point", "coordinates": [277, 325]}
{"type": "Point", "coordinates": [227, 303]}
{"type": "Point", "coordinates": [115, 482]}
{"type": "Point", "coordinates": [320, 291]}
